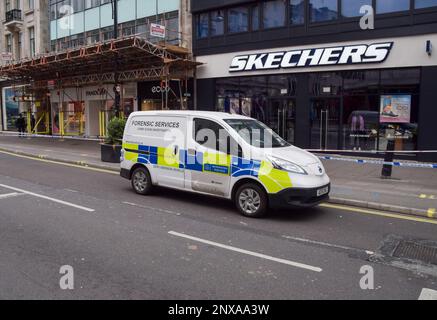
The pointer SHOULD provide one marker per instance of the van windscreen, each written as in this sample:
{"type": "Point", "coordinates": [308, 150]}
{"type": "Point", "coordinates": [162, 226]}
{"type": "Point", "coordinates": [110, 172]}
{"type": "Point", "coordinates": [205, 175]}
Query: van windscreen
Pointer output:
{"type": "Point", "coordinates": [256, 133]}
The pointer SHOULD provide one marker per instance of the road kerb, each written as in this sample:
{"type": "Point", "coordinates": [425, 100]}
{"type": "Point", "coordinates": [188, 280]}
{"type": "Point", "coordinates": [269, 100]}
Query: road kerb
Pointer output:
{"type": "Point", "coordinates": [384, 207]}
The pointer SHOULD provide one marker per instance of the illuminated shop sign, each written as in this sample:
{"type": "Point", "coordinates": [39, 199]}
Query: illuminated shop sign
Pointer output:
{"type": "Point", "coordinates": [341, 55]}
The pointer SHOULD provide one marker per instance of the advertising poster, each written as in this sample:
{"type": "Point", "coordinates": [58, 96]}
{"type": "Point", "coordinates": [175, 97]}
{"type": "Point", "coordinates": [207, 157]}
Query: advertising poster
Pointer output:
{"type": "Point", "coordinates": [246, 107]}
{"type": "Point", "coordinates": [395, 109]}
{"type": "Point", "coordinates": [235, 105]}
{"type": "Point", "coordinates": [10, 108]}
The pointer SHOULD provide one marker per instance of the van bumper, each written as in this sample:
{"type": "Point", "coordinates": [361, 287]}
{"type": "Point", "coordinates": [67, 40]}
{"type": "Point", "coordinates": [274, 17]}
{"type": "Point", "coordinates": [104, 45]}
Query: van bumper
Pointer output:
{"type": "Point", "coordinates": [298, 198]}
{"type": "Point", "coordinates": [125, 173]}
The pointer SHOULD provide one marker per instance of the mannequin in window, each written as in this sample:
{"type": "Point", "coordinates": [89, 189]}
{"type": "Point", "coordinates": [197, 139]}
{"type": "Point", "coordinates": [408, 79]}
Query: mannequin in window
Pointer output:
{"type": "Point", "coordinates": [357, 130]}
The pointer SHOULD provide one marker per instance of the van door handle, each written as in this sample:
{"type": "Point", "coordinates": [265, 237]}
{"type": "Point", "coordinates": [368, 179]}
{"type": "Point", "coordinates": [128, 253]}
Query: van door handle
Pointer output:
{"type": "Point", "coordinates": [176, 149]}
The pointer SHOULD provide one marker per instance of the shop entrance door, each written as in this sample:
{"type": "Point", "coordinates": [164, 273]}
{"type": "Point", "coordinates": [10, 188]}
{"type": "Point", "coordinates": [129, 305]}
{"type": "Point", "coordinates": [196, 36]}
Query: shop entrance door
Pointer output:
{"type": "Point", "coordinates": [325, 123]}
{"type": "Point", "coordinates": [281, 118]}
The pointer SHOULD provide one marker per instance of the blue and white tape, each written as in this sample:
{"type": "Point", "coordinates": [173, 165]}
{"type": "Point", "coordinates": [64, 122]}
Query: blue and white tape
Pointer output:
{"type": "Point", "coordinates": [382, 162]}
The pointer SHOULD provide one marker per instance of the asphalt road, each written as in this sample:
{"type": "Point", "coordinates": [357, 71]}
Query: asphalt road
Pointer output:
{"type": "Point", "coordinates": [174, 245]}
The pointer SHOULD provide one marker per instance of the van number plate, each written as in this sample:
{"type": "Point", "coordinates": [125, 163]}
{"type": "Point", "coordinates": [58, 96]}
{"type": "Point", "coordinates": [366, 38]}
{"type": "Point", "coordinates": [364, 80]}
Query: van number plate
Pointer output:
{"type": "Point", "coordinates": [323, 191]}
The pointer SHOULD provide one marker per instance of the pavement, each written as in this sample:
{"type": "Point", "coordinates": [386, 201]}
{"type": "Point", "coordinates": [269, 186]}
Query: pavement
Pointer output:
{"type": "Point", "coordinates": [410, 191]}
{"type": "Point", "coordinates": [175, 245]}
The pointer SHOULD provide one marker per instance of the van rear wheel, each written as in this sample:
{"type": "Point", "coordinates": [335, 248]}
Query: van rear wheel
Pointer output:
{"type": "Point", "coordinates": [251, 200]}
{"type": "Point", "coordinates": [141, 181]}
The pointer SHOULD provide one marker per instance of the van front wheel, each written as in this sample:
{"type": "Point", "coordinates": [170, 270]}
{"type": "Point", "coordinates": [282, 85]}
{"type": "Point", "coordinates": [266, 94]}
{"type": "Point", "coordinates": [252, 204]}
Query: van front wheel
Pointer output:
{"type": "Point", "coordinates": [141, 181]}
{"type": "Point", "coordinates": [251, 200]}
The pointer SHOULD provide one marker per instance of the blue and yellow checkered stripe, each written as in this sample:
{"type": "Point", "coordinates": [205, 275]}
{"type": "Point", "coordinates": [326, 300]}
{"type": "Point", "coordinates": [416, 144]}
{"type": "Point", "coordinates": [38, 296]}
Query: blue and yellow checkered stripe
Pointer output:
{"type": "Point", "coordinates": [211, 162]}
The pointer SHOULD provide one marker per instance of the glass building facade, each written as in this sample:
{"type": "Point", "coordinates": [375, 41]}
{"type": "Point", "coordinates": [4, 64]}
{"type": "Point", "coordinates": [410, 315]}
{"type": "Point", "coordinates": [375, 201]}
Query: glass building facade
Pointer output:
{"type": "Point", "coordinates": [76, 23]}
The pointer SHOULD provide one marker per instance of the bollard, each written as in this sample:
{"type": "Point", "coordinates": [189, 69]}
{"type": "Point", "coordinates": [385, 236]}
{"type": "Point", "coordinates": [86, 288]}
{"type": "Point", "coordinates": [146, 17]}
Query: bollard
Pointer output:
{"type": "Point", "coordinates": [387, 169]}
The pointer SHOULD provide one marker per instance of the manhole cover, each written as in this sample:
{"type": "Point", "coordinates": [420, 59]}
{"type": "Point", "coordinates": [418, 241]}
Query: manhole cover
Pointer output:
{"type": "Point", "coordinates": [414, 251]}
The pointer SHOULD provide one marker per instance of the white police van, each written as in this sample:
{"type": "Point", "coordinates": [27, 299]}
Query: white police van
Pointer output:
{"type": "Point", "coordinates": [229, 156]}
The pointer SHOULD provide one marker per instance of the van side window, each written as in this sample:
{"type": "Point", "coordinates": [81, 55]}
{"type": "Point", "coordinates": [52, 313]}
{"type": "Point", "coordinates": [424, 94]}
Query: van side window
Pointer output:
{"type": "Point", "coordinates": [213, 136]}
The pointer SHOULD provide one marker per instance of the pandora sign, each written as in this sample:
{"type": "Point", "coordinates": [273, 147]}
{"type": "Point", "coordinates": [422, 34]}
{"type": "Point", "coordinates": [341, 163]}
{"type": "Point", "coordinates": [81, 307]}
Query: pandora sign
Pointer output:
{"type": "Point", "coordinates": [341, 55]}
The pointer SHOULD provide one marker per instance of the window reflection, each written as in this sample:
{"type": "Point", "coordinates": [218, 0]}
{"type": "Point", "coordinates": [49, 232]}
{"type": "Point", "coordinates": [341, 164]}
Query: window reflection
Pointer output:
{"type": "Point", "coordinates": [351, 8]}
{"type": "Point", "coordinates": [420, 4]}
{"type": "Point", "coordinates": [297, 11]}
{"type": "Point", "coordinates": [387, 6]}
{"type": "Point", "coordinates": [202, 25]}
{"type": "Point", "coordinates": [238, 19]}
{"type": "Point", "coordinates": [323, 10]}
{"type": "Point", "coordinates": [274, 14]}
{"type": "Point", "coordinates": [217, 23]}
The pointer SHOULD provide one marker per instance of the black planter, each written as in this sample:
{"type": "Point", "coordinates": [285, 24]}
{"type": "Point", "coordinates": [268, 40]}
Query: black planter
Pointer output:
{"type": "Point", "coordinates": [110, 153]}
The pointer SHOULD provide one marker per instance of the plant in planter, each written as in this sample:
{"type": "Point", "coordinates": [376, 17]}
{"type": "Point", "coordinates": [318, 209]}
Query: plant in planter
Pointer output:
{"type": "Point", "coordinates": [111, 149]}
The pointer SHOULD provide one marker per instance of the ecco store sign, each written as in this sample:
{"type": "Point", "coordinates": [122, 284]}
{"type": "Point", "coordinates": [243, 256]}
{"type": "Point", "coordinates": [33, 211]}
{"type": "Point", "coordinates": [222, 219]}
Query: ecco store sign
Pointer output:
{"type": "Point", "coordinates": [341, 55]}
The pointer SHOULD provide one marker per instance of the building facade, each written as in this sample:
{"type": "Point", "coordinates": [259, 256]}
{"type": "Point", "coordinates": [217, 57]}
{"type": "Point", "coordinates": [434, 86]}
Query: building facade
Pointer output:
{"type": "Point", "coordinates": [24, 34]}
{"type": "Point", "coordinates": [86, 110]}
{"type": "Point", "coordinates": [310, 71]}
{"type": "Point", "coordinates": [67, 103]}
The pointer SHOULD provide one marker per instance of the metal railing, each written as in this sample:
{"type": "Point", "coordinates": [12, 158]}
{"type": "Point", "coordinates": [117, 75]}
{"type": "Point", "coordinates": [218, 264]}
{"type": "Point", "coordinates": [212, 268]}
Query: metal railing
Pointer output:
{"type": "Point", "coordinates": [13, 15]}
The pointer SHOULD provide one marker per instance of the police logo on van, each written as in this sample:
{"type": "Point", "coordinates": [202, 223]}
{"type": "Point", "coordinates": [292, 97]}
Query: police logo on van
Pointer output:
{"type": "Point", "coordinates": [341, 55]}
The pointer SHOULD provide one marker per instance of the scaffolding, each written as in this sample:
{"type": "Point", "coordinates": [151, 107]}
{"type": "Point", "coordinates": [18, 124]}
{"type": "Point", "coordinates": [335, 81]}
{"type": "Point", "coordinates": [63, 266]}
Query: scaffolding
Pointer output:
{"type": "Point", "coordinates": [122, 60]}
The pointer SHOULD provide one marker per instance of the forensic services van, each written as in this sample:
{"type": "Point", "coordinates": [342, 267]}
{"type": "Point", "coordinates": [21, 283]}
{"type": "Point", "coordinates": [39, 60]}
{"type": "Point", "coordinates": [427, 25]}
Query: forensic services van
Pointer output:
{"type": "Point", "coordinates": [224, 155]}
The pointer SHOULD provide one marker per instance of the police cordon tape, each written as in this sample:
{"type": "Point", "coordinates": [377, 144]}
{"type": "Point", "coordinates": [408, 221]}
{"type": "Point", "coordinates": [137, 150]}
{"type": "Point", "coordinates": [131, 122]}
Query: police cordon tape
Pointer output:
{"type": "Point", "coordinates": [382, 162]}
{"type": "Point", "coordinates": [27, 135]}
{"type": "Point", "coordinates": [328, 158]}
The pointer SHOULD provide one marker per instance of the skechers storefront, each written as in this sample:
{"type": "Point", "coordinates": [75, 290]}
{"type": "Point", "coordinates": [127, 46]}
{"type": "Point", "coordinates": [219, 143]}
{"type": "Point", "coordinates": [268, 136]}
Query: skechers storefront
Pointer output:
{"type": "Point", "coordinates": [335, 96]}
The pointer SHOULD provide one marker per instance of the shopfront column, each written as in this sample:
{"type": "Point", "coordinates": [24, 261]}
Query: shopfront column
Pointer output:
{"type": "Point", "coordinates": [428, 114]}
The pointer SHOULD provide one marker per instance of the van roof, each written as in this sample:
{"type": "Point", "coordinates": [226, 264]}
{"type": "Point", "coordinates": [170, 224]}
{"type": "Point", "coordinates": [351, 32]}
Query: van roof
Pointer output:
{"type": "Point", "coordinates": [210, 114]}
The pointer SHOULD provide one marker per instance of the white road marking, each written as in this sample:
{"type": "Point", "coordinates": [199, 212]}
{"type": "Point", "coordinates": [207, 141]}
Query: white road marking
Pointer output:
{"type": "Point", "coordinates": [251, 253]}
{"type": "Point", "coordinates": [69, 204]}
{"type": "Point", "coordinates": [9, 195]}
{"type": "Point", "coordinates": [325, 244]}
{"type": "Point", "coordinates": [428, 294]}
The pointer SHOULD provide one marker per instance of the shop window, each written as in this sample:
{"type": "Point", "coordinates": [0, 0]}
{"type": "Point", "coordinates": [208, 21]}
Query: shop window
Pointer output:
{"type": "Point", "coordinates": [274, 13]}
{"type": "Point", "coordinates": [360, 82]}
{"type": "Point", "coordinates": [388, 6]}
{"type": "Point", "coordinates": [325, 84]}
{"type": "Point", "coordinates": [253, 96]}
{"type": "Point", "coordinates": [400, 81]}
{"type": "Point", "coordinates": [238, 19]}
{"type": "Point", "coordinates": [351, 8]}
{"type": "Point", "coordinates": [228, 95]}
{"type": "Point", "coordinates": [202, 25]}
{"type": "Point", "coordinates": [420, 4]}
{"type": "Point", "coordinates": [255, 18]}
{"type": "Point", "coordinates": [297, 12]}
{"type": "Point", "coordinates": [281, 85]}
{"type": "Point", "coordinates": [360, 122]}
{"type": "Point", "coordinates": [217, 23]}
{"type": "Point", "coordinates": [323, 10]}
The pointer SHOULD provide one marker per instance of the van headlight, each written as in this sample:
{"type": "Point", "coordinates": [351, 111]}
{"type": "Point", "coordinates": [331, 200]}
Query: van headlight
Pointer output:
{"type": "Point", "coordinates": [286, 165]}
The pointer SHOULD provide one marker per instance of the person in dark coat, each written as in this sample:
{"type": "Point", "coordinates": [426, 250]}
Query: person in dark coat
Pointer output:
{"type": "Point", "coordinates": [21, 125]}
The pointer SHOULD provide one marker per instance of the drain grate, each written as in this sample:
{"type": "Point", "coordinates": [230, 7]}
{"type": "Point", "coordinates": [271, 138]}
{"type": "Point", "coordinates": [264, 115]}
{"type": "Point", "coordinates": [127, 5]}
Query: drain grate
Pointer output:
{"type": "Point", "coordinates": [414, 251]}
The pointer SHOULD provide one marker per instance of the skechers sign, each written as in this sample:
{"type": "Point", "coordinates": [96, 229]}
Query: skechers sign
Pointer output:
{"type": "Point", "coordinates": [342, 55]}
